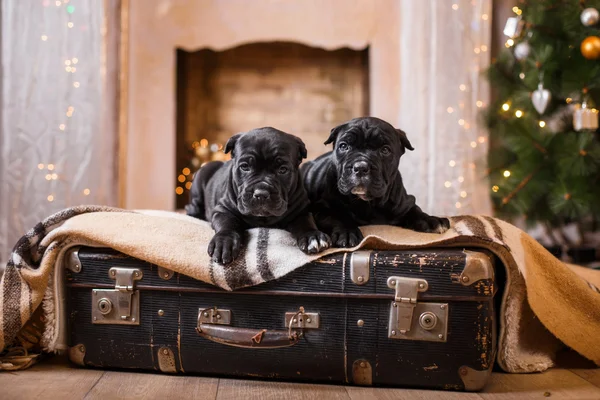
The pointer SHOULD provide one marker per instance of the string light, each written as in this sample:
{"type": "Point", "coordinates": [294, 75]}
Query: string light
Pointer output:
{"type": "Point", "coordinates": [76, 84]}
{"type": "Point", "coordinates": [75, 60]}
{"type": "Point", "coordinates": [70, 9]}
{"type": "Point", "coordinates": [450, 110]}
{"type": "Point", "coordinates": [68, 69]}
{"type": "Point", "coordinates": [70, 24]}
{"type": "Point", "coordinates": [506, 173]}
{"type": "Point", "coordinates": [61, 127]}
{"type": "Point", "coordinates": [462, 87]}
{"type": "Point", "coordinates": [485, 17]}
{"type": "Point", "coordinates": [569, 100]}
{"type": "Point", "coordinates": [181, 178]}
{"type": "Point", "coordinates": [517, 10]}
{"type": "Point", "coordinates": [54, 176]}
{"type": "Point", "coordinates": [452, 163]}
{"type": "Point", "coordinates": [50, 167]}
{"type": "Point", "coordinates": [447, 184]}
{"type": "Point", "coordinates": [461, 122]}
{"type": "Point", "coordinates": [509, 43]}
{"type": "Point", "coordinates": [203, 143]}
{"type": "Point", "coordinates": [86, 192]}
{"type": "Point", "coordinates": [463, 194]}
{"type": "Point", "coordinates": [506, 106]}
{"type": "Point", "coordinates": [473, 144]}
{"type": "Point", "coordinates": [188, 185]}
{"type": "Point", "coordinates": [40, 166]}
{"type": "Point", "coordinates": [477, 50]}
{"type": "Point", "coordinates": [186, 171]}
{"type": "Point", "coordinates": [458, 205]}
{"type": "Point", "coordinates": [48, 177]}
{"type": "Point", "coordinates": [455, 7]}
{"type": "Point", "coordinates": [542, 124]}
{"type": "Point", "coordinates": [44, 38]}
{"type": "Point", "coordinates": [522, 75]}
{"type": "Point", "coordinates": [58, 3]}
{"type": "Point", "coordinates": [483, 48]}
{"type": "Point", "coordinates": [518, 113]}
{"type": "Point", "coordinates": [481, 139]}
{"type": "Point", "coordinates": [479, 103]}
{"type": "Point", "coordinates": [179, 190]}
{"type": "Point", "coordinates": [461, 179]}
{"type": "Point", "coordinates": [495, 189]}
{"type": "Point", "coordinates": [51, 198]}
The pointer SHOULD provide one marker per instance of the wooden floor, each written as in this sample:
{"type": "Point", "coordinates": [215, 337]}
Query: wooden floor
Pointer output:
{"type": "Point", "coordinates": [56, 379]}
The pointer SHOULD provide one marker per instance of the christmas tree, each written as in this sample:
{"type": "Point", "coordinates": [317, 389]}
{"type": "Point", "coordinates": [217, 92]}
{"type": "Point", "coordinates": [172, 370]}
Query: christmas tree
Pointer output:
{"type": "Point", "coordinates": [544, 158]}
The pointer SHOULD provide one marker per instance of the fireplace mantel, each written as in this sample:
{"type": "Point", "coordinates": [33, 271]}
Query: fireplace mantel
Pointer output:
{"type": "Point", "coordinates": [158, 27]}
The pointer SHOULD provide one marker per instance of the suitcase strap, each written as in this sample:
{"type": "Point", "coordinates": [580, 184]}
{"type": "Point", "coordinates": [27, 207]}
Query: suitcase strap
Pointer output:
{"type": "Point", "coordinates": [248, 338]}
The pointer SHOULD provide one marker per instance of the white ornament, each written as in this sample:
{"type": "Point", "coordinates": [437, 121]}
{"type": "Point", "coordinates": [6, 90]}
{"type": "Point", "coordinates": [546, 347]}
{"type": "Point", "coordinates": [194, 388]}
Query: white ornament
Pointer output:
{"type": "Point", "coordinates": [541, 98]}
{"type": "Point", "coordinates": [522, 51]}
{"type": "Point", "coordinates": [513, 27]}
{"type": "Point", "coordinates": [590, 17]}
{"type": "Point", "coordinates": [585, 118]}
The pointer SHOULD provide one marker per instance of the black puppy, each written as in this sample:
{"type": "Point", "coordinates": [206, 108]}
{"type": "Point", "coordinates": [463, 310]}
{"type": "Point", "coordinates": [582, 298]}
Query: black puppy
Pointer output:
{"type": "Point", "coordinates": [359, 183]}
{"type": "Point", "coordinates": [259, 187]}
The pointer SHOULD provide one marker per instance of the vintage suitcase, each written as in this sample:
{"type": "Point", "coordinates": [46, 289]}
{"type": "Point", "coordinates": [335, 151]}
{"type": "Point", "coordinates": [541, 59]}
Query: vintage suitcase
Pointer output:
{"type": "Point", "coordinates": [389, 318]}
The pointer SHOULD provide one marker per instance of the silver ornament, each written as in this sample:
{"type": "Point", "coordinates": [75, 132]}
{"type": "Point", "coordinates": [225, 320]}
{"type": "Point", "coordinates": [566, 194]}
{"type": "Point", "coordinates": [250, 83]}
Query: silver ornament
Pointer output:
{"type": "Point", "coordinates": [513, 27]}
{"type": "Point", "coordinates": [585, 117]}
{"type": "Point", "coordinates": [541, 98]}
{"type": "Point", "coordinates": [590, 16]}
{"type": "Point", "coordinates": [522, 51]}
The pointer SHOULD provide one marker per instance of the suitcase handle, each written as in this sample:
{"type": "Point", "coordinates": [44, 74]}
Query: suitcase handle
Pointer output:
{"type": "Point", "coordinates": [248, 338]}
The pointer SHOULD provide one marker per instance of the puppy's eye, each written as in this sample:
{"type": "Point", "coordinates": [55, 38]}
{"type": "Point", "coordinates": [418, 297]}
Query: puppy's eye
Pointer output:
{"type": "Point", "coordinates": [386, 151]}
{"type": "Point", "coordinates": [343, 146]}
{"type": "Point", "coordinates": [245, 167]}
{"type": "Point", "coordinates": [283, 170]}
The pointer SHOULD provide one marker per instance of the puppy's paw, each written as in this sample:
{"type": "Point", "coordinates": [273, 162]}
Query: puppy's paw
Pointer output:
{"type": "Point", "coordinates": [346, 237]}
{"type": "Point", "coordinates": [225, 247]}
{"type": "Point", "coordinates": [431, 224]}
{"type": "Point", "coordinates": [313, 242]}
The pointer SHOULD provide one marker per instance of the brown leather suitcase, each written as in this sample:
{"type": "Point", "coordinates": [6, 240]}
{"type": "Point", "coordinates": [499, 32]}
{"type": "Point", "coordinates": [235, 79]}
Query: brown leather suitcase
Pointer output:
{"type": "Point", "coordinates": [388, 318]}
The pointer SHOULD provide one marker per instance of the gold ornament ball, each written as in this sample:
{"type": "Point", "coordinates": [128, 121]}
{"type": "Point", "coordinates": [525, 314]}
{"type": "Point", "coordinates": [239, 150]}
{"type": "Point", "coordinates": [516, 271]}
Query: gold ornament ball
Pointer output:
{"type": "Point", "coordinates": [590, 47]}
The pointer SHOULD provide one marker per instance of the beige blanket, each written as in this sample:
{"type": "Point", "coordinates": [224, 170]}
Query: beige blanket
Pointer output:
{"type": "Point", "coordinates": [546, 303]}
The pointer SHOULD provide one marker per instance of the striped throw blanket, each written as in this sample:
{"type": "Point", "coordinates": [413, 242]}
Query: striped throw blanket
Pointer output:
{"type": "Point", "coordinates": [546, 304]}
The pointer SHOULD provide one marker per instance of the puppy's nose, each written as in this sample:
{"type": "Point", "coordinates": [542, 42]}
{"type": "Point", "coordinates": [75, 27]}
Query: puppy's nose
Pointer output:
{"type": "Point", "coordinates": [260, 194]}
{"type": "Point", "coordinates": [360, 168]}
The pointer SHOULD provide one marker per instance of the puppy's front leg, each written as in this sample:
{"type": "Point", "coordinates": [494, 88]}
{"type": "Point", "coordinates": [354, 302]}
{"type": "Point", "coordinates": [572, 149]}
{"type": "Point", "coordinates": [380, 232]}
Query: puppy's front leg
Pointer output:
{"type": "Point", "coordinates": [419, 221]}
{"type": "Point", "coordinates": [225, 246]}
{"type": "Point", "coordinates": [344, 233]}
{"type": "Point", "coordinates": [309, 239]}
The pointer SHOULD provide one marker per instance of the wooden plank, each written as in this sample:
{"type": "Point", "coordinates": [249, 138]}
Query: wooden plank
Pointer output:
{"type": "Point", "coordinates": [51, 379]}
{"type": "Point", "coordinates": [230, 389]}
{"type": "Point", "coordinates": [590, 375]}
{"type": "Point", "coordinates": [135, 385]}
{"type": "Point", "coordinates": [554, 383]}
{"type": "Point", "coordinates": [357, 393]}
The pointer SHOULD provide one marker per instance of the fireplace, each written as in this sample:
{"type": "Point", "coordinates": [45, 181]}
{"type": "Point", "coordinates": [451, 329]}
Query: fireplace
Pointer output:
{"type": "Point", "coordinates": [291, 86]}
{"type": "Point", "coordinates": [209, 69]}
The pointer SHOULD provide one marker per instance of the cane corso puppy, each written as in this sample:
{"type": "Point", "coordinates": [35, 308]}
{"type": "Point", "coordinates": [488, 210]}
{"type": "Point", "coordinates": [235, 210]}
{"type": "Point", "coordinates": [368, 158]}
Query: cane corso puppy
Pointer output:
{"type": "Point", "coordinates": [259, 187]}
{"type": "Point", "coordinates": [358, 183]}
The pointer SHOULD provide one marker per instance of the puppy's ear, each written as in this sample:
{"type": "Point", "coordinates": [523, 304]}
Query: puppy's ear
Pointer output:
{"type": "Point", "coordinates": [334, 133]}
{"type": "Point", "coordinates": [230, 145]}
{"type": "Point", "coordinates": [302, 153]}
{"type": "Point", "coordinates": [404, 140]}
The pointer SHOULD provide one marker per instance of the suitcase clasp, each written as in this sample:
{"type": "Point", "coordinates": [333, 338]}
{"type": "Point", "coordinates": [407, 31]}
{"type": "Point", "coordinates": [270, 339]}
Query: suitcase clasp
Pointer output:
{"type": "Point", "coordinates": [412, 320]}
{"type": "Point", "coordinates": [120, 305]}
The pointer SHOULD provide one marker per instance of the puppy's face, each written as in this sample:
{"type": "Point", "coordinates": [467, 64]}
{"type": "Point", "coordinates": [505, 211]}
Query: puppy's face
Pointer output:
{"type": "Point", "coordinates": [367, 154]}
{"type": "Point", "coordinates": [265, 170]}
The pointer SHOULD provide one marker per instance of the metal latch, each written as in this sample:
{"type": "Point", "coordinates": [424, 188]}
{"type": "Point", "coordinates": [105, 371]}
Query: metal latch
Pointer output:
{"type": "Point", "coordinates": [120, 305]}
{"type": "Point", "coordinates": [412, 320]}
{"type": "Point", "coordinates": [214, 315]}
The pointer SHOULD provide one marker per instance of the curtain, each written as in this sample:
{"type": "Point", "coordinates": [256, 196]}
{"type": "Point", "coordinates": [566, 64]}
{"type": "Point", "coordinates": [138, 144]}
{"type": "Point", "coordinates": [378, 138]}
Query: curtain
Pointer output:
{"type": "Point", "coordinates": [445, 48]}
{"type": "Point", "coordinates": [57, 144]}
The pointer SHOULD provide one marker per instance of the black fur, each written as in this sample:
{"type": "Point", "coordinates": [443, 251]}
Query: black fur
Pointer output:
{"type": "Point", "coordinates": [259, 187]}
{"type": "Point", "coordinates": [358, 183]}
